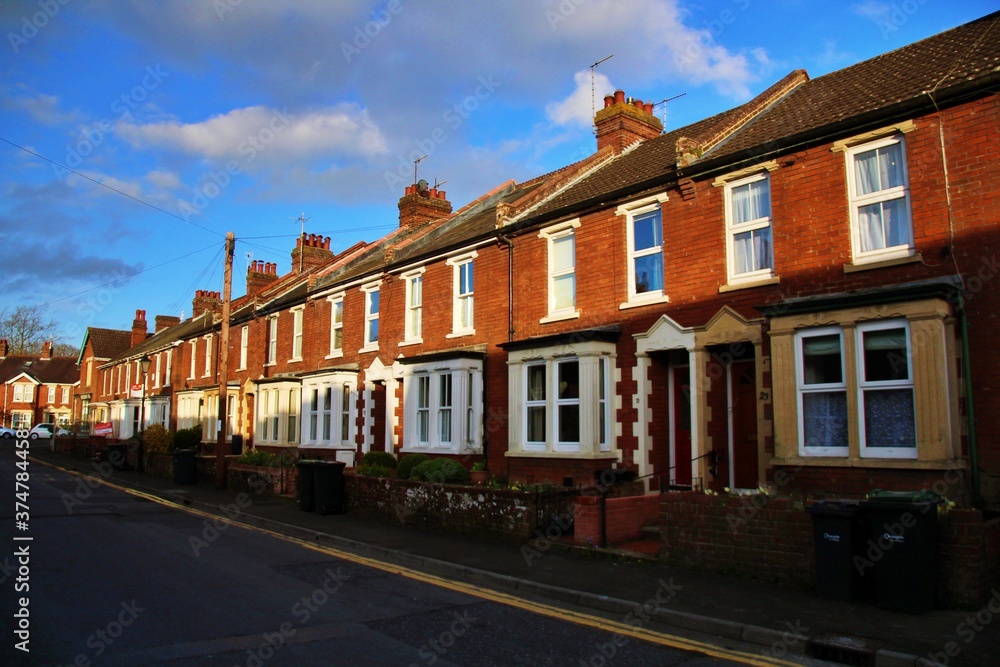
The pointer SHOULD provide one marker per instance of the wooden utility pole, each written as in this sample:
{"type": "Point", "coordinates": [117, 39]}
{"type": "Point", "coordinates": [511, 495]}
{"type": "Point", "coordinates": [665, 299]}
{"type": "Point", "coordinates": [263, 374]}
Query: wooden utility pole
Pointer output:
{"type": "Point", "coordinates": [227, 293]}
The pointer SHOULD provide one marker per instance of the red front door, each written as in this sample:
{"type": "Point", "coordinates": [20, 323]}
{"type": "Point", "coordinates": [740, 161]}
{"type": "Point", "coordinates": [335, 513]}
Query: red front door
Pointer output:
{"type": "Point", "coordinates": [743, 402]}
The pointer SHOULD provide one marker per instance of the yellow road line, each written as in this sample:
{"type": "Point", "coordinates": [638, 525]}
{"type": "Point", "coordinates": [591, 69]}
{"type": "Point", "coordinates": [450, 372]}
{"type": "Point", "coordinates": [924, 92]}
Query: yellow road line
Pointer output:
{"type": "Point", "coordinates": [577, 618]}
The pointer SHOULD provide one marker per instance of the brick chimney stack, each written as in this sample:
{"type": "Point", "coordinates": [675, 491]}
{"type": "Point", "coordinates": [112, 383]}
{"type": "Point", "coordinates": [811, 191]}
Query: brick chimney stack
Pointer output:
{"type": "Point", "coordinates": [205, 302]}
{"type": "Point", "coordinates": [421, 204]}
{"type": "Point", "coordinates": [311, 251]}
{"type": "Point", "coordinates": [4, 348]}
{"type": "Point", "coordinates": [138, 328]}
{"type": "Point", "coordinates": [260, 275]}
{"type": "Point", "coordinates": [623, 122]}
{"type": "Point", "coordinates": [46, 350]}
{"type": "Point", "coordinates": [165, 322]}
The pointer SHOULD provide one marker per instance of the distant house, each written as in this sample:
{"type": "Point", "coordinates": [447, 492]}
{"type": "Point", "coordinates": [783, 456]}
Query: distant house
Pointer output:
{"type": "Point", "coordinates": [36, 389]}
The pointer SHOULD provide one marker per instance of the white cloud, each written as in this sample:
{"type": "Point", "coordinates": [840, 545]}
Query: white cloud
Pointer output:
{"type": "Point", "coordinates": [41, 107]}
{"type": "Point", "coordinates": [872, 9]}
{"type": "Point", "coordinates": [166, 180]}
{"type": "Point", "coordinates": [243, 134]}
{"type": "Point", "coordinates": [578, 108]}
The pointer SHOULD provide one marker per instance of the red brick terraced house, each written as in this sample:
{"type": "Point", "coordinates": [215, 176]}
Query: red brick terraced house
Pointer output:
{"type": "Point", "coordinates": [36, 389]}
{"type": "Point", "coordinates": [798, 292]}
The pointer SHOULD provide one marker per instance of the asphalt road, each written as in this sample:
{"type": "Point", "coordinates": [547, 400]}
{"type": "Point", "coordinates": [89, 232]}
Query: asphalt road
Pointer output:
{"type": "Point", "coordinates": [115, 579]}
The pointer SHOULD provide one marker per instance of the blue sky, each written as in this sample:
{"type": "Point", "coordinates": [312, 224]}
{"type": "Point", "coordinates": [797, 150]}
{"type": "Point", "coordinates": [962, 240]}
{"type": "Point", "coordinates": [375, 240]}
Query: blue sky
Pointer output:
{"type": "Point", "coordinates": [180, 121]}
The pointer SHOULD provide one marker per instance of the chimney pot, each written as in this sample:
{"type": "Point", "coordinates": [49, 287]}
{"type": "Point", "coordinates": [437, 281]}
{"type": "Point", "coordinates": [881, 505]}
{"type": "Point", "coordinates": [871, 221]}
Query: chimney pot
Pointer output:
{"type": "Point", "coordinates": [609, 100]}
{"type": "Point", "coordinates": [619, 97]}
{"type": "Point", "coordinates": [649, 108]}
{"type": "Point", "coordinates": [639, 105]}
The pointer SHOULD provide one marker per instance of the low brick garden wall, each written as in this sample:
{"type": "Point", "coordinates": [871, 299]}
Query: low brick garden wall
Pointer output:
{"type": "Point", "coordinates": [625, 518]}
{"type": "Point", "coordinates": [492, 513]}
{"type": "Point", "coordinates": [771, 539]}
{"type": "Point", "coordinates": [262, 479]}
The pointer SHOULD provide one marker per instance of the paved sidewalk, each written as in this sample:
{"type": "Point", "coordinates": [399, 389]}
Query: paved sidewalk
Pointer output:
{"type": "Point", "coordinates": [745, 612]}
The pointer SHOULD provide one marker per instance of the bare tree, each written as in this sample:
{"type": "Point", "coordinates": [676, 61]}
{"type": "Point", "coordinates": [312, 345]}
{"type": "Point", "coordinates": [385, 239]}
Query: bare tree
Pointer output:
{"type": "Point", "coordinates": [25, 329]}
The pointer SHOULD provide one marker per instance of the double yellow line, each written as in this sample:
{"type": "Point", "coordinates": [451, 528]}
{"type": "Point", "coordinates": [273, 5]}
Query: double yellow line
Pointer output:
{"type": "Point", "coordinates": [550, 611]}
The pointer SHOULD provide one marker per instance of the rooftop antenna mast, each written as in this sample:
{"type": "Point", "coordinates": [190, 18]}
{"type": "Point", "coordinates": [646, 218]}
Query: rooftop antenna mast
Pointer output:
{"type": "Point", "coordinates": [592, 93]}
{"type": "Point", "coordinates": [415, 163]}
{"type": "Point", "coordinates": [302, 220]}
{"type": "Point", "coordinates": [664, 104]}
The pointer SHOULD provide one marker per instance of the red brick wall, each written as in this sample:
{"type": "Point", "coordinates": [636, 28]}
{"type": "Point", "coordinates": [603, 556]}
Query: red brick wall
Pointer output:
{"type": "Point", "coordinates": [625, 518]}
{"type": "Point", "coordinates": [772, 539]}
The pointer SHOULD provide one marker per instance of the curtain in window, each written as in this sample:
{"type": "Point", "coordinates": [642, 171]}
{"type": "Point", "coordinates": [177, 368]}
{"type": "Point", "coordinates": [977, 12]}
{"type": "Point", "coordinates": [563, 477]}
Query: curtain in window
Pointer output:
{"type": "Point", "coordinates": [753, 250]}
{"type": "Point", "coordinates": [889, 418]}
{"type": "Point", "coordinates": [751, 201]}
{"type": "Point", "coordinates": [824, 419]}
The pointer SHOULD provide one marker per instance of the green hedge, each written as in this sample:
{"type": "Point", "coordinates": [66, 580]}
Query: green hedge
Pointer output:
{"type": "Point", "coordinates": [408, 463]}
{"type": "Point", "coordinates": [188, 438]}
{"type": "Point", "coordinates": [384, 459]}
{"type": "Point", "coordinates": [441, 471]}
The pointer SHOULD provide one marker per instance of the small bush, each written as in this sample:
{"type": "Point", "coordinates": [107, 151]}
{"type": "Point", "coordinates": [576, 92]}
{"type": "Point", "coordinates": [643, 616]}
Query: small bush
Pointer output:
{"type": "Point", "coordinates": [379, 459]}
{"type": "Point", "coordinates": [187, 438]}
{"type": "Point", "coordinates": [441, 471]}
{"type": "Point", "coordinates": [408, 463]}
{"type": "Point", "coordinates": [374, 470]}
{"type": "Point", "coordinates": [158, 440]}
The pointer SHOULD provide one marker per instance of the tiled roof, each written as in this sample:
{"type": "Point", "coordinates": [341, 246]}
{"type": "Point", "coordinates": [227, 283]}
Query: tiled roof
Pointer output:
{"type": "Point", "coordinates": [57, 370]}
{"type": "Point", "coordinates": [108, 343]}
{"type": "Point", "coordinates": [193, 327]}
{"type": "Point", "coordinates": [968, 53]}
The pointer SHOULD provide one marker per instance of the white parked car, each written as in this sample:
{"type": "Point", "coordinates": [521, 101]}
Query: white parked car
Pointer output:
{"type": "Point", "coordinates": [45, 431]}
{"type": "Point", "coordinates": [6, 432]}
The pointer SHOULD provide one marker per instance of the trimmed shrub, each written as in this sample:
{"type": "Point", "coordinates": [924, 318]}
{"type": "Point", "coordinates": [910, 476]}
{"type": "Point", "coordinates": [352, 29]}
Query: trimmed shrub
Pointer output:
{"type": "Point", "coordinates": [441, 471]}
{"type": "Point", "coordinates": [408, 463]}
{"type": "Point", "coordinates": [384, 459]}
{"type": "Point", "coordinates": [158, 440]}
{"type": "Point", "coordinates": [374, 470]}
{"type": "Point", "coordinates": [187, 438]}
{"type": "Point", "coordinates": [258, 457]}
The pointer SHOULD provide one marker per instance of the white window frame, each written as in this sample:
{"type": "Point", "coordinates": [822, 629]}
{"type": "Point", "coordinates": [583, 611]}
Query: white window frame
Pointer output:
{"type": "Point", "coordinates": [208, 355]}
{"type": "Point", "coordinates": [298, 316]}
{"type": "Point", "coordinates": [750, 226]}
{"type": "Point", "coordinates": [156, 374]}
{"type": "Point", "coordinates": [51, 395]}
{"type": "Point", "coordinates": [368, 290]}
{"type": "Point", "coordinates": [827, 387]}
{"type": "Point", "coordinates": [336, 325]}
{"type": "Point", "coordinates": [244, 343]}
{"type": "Point", "coordinates": [552, 235]}
{"type": "Point", "coordinates": [168, 380]}
{"type": "Point", "coordinates": [630, 211]}
{"type": "Point", "coordinates": [463, 413]}
{"type": "Point", "coordinates": [413, 330]}
{"type": "Point", "coordinates": [65, 395]}
{"type": "Point", "coordinates": [271, 339]}
{"type": "Point", "coordinates": [277, 408]}
{"type": "Point", "coordinates": [194, 360]}
{"type": "Point", "coordinates": [870, 386]}
{"type": "Point", "coordinates": [463, 301]}
{"type": "Point", "coordinates": [332, 415]}
{"type": "Point", "coordinates": [857, 201]}
{"type": "Point", "coordinates": [596, 399]}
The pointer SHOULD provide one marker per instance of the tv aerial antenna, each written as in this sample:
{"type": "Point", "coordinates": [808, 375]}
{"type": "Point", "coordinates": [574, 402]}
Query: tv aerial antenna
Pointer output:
{"type": "Point", "coordinates": [415, 163]}
{"type": "Point", "coordinates": [592, 92]}
{"type": "Point", "coordinates": [663, 103]}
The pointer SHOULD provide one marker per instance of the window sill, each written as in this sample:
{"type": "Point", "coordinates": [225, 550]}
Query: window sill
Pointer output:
{"type": "Point", "coordinates": [529, 454]}
{"type": "Point", "coordinates": [335, 355]}
{"type": "Point", "coordinates": [429, 450]}
{"type": "Point", "coordinates": [560, 317]}
{"type": "Point", "coordinates": [407, 343]}
{"type": "Point", "coordinates": [853, 462]}
{"type": "Point", "coordinates": [270, 363]}
{"type": "Point", "coordinates": [295, 360]}
{"type": "Point", "coordinates": [732, 287]}
{"type": "Point", "coordinates": [459, 334]}
{"type": "Point", "coordinates": [863, 265]}
{"type": "Point", "coordinates": [367, 349]}
{"type": "Point", "coordinates": [649, 301]}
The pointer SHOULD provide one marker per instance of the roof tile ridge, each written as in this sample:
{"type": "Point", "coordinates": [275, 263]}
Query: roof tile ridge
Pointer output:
{"type": "Point", "coordinates": [689, 149]}
{"type": "Point", "coordinates": [564, 179]}
{"type": "Point", "coordinates": [506, 184]}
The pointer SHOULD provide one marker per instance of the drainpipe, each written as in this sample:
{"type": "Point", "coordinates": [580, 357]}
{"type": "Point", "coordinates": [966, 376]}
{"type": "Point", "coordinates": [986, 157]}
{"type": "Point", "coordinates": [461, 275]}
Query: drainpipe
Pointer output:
{"type": "Point", "coordinates": [510, 285]}
{"type": "Point", "coordinates": [970, 411]}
